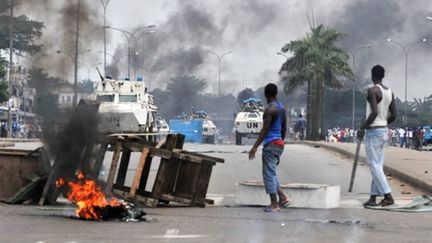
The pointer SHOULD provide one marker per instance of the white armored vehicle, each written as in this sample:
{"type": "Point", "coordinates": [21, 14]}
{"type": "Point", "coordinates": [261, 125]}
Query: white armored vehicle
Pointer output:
{"type": "Point", "coordinates": [249, 120]}
{"type": "Point", "coordinates": [208, 129]}
{"type": "Point", "coordinates": [125, 107]}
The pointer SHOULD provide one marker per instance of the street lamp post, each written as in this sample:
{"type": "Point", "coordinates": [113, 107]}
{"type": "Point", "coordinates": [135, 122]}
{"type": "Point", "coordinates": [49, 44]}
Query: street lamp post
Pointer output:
{"type": "Point", "coordinates": [104, 4]}
{"type": "Point", "coordinates": [406, 51]}
{"type": "Point", "coordinates": [75, 97]}
{"type": "Point", "coordinates": [219, 57]}
{"type": "Point", "coordinates": [354, 82]}
{"type": "Point", "coordinates": [128, 35]}
{"type": "Point", "coordinates": [9, 133]}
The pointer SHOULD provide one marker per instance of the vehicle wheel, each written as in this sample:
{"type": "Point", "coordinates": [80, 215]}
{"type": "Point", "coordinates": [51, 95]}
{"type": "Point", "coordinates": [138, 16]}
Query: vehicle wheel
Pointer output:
{"type": "Point", "coordinates": [238, 138]}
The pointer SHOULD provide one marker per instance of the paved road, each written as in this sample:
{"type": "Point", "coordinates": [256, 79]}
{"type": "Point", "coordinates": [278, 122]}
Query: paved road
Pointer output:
{"type": "Point", "coordinates": [229, 223]}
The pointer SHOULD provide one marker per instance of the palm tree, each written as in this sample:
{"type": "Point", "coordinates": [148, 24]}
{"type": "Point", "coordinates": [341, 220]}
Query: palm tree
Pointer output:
{"type": "Point", "coordinates": [318, 61]}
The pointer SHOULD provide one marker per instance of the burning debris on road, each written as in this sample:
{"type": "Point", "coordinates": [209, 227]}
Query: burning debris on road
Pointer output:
{"type": "Point", "coordinates": [92, 203]}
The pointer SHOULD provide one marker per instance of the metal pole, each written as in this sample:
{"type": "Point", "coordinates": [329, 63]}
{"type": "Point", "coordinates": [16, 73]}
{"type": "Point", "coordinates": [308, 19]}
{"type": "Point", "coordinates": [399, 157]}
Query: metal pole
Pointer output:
{"type": "Point", "coordinates": [105, 4]}
{"type": "Point", "coordinates": [219, 75]}
{"type": "Point", "coordinates": [406, 88]}
{"type": "Point", "coordinates": [129, 59]}
{"type": "Point", "coordinates": [406, 51]}
{"type": "Point", "coordinates": [76, 55]}
{"type": "Point", "coordinates": [353, 96]}
{"type": "Point", "coordinates": [10, 68]}
{"type": "Point", "coordinates": [219, 62]}
{"type": "Point", "coordinates": [354, 83]}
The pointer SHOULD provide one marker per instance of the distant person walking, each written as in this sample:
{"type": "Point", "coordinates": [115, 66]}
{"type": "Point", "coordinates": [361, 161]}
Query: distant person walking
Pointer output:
{"type": "Point", "coordinates": [272, 136]}
{"type": "Point", "coordinates": [3, 131]}
{"type": "Point", "coordinates": [301, 124]}
{"type": "Point", "coordinates": [380, 112]}
{"type": "Point", "coordinates": [401, 137]}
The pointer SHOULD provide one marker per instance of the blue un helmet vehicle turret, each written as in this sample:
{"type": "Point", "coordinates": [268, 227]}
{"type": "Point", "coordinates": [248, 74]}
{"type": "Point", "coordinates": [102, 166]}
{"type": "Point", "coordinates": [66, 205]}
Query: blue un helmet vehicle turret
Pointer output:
{"type": "Point", "coordinates": [248, 122]}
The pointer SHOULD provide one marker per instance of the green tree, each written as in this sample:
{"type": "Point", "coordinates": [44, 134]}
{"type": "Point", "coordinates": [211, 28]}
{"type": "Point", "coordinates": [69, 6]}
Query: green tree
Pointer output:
{"type": "Point", "coordinates": [26, 31]}
{"type": "Point", "coordinates": [4, 94]}
{"type": "Point", "coordinates": [182, 92]}
{"type": "Point", "coordinates": [87, 86]}
{"type": "Point", "coordinates": [317, 61]}
{"type": "Point", "coordinates": [243, 95]}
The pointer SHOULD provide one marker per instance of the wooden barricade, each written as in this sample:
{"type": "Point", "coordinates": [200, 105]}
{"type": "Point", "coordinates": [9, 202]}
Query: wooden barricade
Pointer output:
{"type": "Point", "coordinates": [182, 177]}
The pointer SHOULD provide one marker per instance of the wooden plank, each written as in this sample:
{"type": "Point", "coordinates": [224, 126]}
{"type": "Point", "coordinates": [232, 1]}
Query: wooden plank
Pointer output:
{"type": "Point", "coordinates": [124, 164]}
{"type": "Point", "coordinates": [145, 173]}
{"type": "Point", "coordinates": [147, 201]}
{"type": "Point", "coordinates": [210, 158]}
{"type": "Point", "coordinates": [31, 191]}
{"type": "Point", "coordinates": [97, 165]}
{"type": "Point", "coordinates": [181, 200]}
{"type": "Point", "coordinates": [175, 167]}
{"type": "Point", "coordinates": [139, 170]}
{"type": "Point", "coordinates": [163, 172]}
{"type": "Point", "coordinates": [191, 158]}
{"type": "Point", "coordinates": [113, 169]}
{"type": "Point", "coordinates": [203, 183]}
{"type": "Point", "coordinates": [195, 179]}
{"type": "Point", "coordinates": [85, 160]}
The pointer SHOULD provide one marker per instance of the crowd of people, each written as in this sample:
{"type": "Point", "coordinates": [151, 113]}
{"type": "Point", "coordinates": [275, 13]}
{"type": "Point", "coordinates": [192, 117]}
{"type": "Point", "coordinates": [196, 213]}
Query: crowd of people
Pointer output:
{"type": "Point", "coordinates": [408, 137]}
{"type": "Point", "coordinates": [19, 130]}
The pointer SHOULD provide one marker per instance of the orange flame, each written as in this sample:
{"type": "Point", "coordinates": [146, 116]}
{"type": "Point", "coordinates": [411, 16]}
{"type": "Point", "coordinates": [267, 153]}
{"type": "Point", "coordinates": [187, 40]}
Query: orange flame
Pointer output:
{"type": "Point", "coordinates": [88, 197]}
{"type": "Point", "coordinates": [60, 182]}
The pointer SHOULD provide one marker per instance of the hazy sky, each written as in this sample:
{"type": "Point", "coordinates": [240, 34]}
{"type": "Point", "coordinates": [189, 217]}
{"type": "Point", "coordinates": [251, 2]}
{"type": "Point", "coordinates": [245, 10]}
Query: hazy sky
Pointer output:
{"type": "Point", "coordinates": [255, 30]}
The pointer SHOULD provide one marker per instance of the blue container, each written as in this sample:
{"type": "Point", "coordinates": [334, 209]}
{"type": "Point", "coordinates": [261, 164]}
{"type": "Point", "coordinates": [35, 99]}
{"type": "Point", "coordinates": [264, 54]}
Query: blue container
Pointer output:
{"type": "Point", "coordinates": [192, 129]}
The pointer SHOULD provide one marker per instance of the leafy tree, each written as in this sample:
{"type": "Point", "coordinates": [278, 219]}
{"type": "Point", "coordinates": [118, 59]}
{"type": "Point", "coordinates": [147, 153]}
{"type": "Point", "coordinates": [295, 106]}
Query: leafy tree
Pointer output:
{"type": "Point", "coordinates": [86, 86]}
{"type": "Point", "coordinates": [182, 92]}
{"type": "Point", "coordinates": [24, 34]}
{"type": "Point", "coordinates": [317, 62]}
{"type": "Point", "coordinates": [4, 94]}
{"type": "Point", "coordinates": [46, 102]}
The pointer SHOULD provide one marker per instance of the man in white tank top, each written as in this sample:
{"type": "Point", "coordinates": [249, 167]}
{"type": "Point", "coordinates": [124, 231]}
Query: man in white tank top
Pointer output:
{"type": "Point", "coordinates": [380, 112]}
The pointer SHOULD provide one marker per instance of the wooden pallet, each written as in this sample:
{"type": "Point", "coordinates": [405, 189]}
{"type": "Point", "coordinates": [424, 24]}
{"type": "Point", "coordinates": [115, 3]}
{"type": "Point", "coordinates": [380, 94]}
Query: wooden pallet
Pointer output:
{"type": "Point", "coordinates": [182, 177]}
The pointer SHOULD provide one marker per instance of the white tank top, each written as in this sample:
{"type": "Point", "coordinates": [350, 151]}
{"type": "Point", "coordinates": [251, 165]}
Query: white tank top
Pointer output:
{"type": "Point", "coordinates": [383, 108]}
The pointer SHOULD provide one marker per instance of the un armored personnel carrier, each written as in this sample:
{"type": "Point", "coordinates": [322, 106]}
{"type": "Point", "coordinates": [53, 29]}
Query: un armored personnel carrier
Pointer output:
{"type": "Point", "coordinates": [125, 107]}
{"type": "Point", "coordinates": [208, 129]}
{"type": "Point", "coordinates": [249, 120]}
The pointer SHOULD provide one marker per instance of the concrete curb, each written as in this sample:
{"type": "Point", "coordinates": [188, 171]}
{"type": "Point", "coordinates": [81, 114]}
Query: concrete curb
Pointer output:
{"type": "Point", "coordinates": [21, 140]}
{"type": "Point", "coordinates": [401, 175]}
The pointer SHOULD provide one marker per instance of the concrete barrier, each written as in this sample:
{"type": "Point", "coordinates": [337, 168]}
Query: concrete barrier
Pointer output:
{"type": "Point", "coordinates": [301, 195]}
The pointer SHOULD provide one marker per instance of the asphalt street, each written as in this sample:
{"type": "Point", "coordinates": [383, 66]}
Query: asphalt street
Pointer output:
{"type": "Point", "coordinates": [227, 222]}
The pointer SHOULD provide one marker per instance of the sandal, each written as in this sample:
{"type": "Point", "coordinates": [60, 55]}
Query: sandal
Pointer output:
{"type": "Point", "coordinates": [271, 210]}
{"type": "Point", "coordinates": [285, 204]}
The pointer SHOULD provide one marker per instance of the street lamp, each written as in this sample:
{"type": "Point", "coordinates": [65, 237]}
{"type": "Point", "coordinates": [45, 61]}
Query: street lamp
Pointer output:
{"type": "Point", "coordinates": [219, 57]}
{"type": "Point", "coordinates": [11, 34]}
{"type": "Point", "coordinates": [406, 51]}
{"type": "Point", "coordinates": [104, 4]}
{"type": "Point", "coordinates": [128, 35]}
{"type": "Point", "coordinates": [354, 82]}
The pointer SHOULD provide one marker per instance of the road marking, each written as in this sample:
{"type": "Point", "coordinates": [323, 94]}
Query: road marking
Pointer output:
{"type": "Point", "coordinates": [173, 234]}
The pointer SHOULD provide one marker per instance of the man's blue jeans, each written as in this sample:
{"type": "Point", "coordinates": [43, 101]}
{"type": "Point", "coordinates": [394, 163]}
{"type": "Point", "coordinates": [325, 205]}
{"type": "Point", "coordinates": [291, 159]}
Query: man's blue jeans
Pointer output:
{"type": "Point", "coordinates": [271, 157]}
{"type": "Point", "coordinates": [375, 142]}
